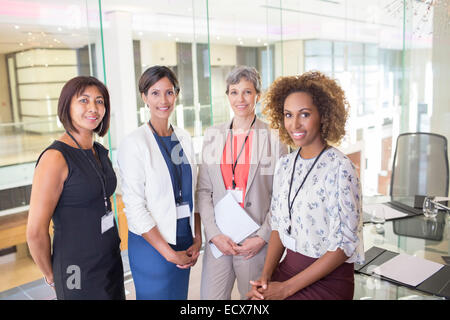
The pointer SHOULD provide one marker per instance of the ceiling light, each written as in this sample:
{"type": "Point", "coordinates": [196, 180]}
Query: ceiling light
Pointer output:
{"type": "Point", "coordinates": [265, 43]}
{"type": "Point", "coordinates": [21, 44]}
{"type": "Point", "coordinates": [169, 34]}
{"type": "Point", "coordinates": [218, 38]}
{"type": "Point", "coordinates": [16, 27]}
{"type": "Point", "coordinates": [59, 29]}
{"type": "Point", "coordinates": [141, 33]}
{"type": "Point", "coordinates": [240, 42]}
{"type": "Point", "coordinates": [258, 40]}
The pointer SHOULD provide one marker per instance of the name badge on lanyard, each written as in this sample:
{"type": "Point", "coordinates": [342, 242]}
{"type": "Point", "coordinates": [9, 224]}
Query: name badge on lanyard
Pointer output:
{"type": "Point", "coordinates": [238, 194]}
{"type": "Point", "coordinates": [183, 210]}
{"type": "Point", "coordinates": [288, 241]}
{"type": "Point", "coordinates": [107, 221]}
{"type": "Point", "coordinates": [285, 237]}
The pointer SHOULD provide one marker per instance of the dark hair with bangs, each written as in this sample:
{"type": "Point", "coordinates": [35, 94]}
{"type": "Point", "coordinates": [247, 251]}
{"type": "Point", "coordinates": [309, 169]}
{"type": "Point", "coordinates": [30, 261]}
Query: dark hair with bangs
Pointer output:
{"type": "Point", "coordinates": [74, 88]}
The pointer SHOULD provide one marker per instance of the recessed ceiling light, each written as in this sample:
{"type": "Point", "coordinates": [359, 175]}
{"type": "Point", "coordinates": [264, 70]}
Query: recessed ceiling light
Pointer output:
{"type": "Point", "coordinates": [21, 44]}
{"type": "Point", "coordinates": [177, 39]}
{"type": "Point", "coordinates": [240, 42]}
{"type": "Point", "coordinates": [16, 27]}
{"type": "Point", "coordinates": [218, 38]}
{"type": "Point", "coordinates": [59, 29]}
{"type": "Point", "coordinates": [30, 34]}
{"type": "Point", "coordinates": [258, 40]}
{"type": "Point", "coordinates": [141, 33]}
{"type": "Point", "coordinates": [265, 43]}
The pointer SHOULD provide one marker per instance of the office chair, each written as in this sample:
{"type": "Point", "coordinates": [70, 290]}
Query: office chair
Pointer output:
{"type": "Point", "coordinates": [420, 166]}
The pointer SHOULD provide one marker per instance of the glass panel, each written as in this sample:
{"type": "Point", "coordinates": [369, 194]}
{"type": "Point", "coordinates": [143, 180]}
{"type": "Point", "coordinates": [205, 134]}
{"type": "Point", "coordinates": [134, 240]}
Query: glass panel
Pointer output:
{"type": "Point", "coordinates": [426, 65]}
{"type": "Point", "coordinates": [319, 48]}
{"type": "Point", "coordinates": [44, 44]}
{"type": "Point", "coordinates": [237, 38]}
{"type": "Point", "coordinates": [391, 57]}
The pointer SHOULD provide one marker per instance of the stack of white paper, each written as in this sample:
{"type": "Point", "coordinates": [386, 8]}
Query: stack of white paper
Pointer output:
{"type": "Point", "coordinates": [232, 221]}
{"type": "Point", "coordinates": [379, 208]}
{"type": "Point", "coordinates": [408, 269]}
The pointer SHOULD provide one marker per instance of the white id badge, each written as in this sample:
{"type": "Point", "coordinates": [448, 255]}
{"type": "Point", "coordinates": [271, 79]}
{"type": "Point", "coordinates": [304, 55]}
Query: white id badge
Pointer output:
{"type": "Point", "coordinates": [238, 194]}
{"type": "Point", "coordinates": [183, 211]}
{"type": "Point", "coordinates": [289, 242]}
{"type": "Point", "coordinates": [107, 221]}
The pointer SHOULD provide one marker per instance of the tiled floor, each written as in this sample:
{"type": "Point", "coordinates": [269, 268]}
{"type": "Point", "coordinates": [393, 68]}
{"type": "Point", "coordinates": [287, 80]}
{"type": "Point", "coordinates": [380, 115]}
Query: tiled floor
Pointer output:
{"type": "Point", "coordinates": [38, 290]}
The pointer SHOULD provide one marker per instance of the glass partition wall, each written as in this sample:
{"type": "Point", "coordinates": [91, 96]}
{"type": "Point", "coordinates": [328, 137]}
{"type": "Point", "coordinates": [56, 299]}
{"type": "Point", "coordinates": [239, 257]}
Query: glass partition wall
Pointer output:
{"type": "Point", "coordinates": [390, 56]}
{"type": "Point", "coordinates": [42, 45]}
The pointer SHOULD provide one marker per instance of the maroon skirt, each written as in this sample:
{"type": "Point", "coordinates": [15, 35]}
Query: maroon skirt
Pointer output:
{"type": "Point", "coordinates": [338, 285]}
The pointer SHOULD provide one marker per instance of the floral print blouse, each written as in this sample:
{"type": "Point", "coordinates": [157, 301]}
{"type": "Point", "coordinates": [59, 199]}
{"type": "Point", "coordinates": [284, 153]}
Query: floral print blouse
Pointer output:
{"type": "Point", "coordinates": [327, 212]}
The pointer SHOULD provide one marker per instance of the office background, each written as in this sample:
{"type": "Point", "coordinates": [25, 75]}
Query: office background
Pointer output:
{"type": "Point", "coordinates": [392, 57]}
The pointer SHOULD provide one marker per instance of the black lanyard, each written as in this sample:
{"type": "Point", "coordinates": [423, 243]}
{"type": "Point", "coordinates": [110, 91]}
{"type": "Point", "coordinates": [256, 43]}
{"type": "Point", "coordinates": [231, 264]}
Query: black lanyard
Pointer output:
{"type": "Point", "coordinates": [94, 166]}
{"type": "Point", "coordinates": [233, 167]}
{"type": "Point", "coordinates": [291, 204]}
{"type": "Point", "coordinates": [178, 173]}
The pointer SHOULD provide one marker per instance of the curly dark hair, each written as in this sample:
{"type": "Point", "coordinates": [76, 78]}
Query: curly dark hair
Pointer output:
{"type": "Point", "coordinates": [326, 94]}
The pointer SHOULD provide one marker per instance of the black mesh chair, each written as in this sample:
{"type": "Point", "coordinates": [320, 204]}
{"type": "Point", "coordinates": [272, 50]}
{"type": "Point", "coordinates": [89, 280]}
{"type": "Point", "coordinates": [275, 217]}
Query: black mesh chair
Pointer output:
{"type": "Point", "coordinates": [420, 166]}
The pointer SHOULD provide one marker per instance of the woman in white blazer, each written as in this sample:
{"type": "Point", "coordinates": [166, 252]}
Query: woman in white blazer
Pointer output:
{"type": "Point", "coordinates": [158, 175]}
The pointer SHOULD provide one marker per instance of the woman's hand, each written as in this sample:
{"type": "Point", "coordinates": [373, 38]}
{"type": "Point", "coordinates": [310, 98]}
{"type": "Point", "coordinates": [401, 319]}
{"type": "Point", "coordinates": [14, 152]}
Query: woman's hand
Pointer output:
{"type": "Point", "coordinates": [257, 286]}
{"type": "Point", "coordinates": [50, 281]}
{"type": "Point", "coordinates": [224, 244]}
{"type": "Point", "coordinates": [272, 290]}
{"type": "Point", "coordinates": [193, 252]}
{"type": "Point", "coordinates": [180, 258]}
{"type": "Point", "coordinates": [250, 247]}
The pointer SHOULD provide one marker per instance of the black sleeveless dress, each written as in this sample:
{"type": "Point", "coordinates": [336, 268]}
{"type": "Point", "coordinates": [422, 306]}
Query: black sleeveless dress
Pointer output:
{"type": "Point", "coordinates": [86, 263]}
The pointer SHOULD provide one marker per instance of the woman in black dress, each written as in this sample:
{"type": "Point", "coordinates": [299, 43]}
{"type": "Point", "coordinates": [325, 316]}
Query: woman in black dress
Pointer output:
{"type": "Point", "coordinates": [72, 184]}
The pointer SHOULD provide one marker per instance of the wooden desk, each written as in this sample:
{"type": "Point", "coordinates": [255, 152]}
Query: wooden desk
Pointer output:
{"type": "Point", "coordinates": [13, 229]}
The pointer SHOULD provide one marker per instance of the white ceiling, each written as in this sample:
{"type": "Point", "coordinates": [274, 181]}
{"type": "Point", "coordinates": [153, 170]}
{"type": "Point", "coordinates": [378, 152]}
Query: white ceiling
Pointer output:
{"type": "Point", "coordinates": [74, 23]}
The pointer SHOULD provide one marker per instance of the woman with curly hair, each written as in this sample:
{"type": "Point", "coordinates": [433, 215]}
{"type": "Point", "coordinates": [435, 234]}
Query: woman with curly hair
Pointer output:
{"type": "Point", "coordinates": [316, 199]}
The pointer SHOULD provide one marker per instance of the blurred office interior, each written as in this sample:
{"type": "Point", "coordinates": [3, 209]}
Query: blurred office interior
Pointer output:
{"type": "Point", "coordinates": [392, 58]}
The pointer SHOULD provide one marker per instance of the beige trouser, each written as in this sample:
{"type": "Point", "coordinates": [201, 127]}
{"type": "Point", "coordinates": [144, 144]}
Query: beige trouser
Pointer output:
{"type": "Point", "coordinates": [218, 275]}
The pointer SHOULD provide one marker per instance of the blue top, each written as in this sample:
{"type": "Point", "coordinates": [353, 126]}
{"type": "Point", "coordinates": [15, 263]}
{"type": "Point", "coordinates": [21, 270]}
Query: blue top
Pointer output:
{"type": "Point", "coordinates": [171, 142]}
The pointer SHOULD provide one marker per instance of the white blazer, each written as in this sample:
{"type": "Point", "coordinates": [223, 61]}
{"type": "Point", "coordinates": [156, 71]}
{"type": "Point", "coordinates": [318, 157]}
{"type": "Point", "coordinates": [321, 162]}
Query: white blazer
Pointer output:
{"type": "Point", "coordinates": [146, 184]}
